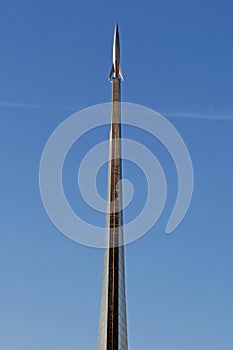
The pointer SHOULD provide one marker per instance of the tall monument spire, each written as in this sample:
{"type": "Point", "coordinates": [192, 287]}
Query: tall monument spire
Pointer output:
{"type": "Point", "coordinates": [113, 324]}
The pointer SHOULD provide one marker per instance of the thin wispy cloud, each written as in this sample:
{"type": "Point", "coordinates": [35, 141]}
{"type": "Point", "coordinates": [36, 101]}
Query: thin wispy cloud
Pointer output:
{"type": "Point", "coordinates": [32, 106]}
{"type": "Point", "coordinates": [185, 115]}
{"type": "Point", "coordinates": [200, 116]}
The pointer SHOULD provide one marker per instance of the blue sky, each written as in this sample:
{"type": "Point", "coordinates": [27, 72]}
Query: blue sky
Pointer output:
{"type": "Point", "coordinates": [177, 59]}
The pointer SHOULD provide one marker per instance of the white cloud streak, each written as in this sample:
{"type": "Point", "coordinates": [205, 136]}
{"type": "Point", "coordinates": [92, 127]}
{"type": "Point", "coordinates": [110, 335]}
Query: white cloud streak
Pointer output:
{"type": "Point", "coordinates": [200, 116]}
{"type": "Point", "coordinates": [185, 115]}
{"type": "Point", "coordinates": [31, 106]}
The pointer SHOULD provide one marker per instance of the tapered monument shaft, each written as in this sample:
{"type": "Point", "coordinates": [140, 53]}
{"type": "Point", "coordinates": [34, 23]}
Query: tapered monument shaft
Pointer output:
{"type": "Point", "coordinates": [113, 325]}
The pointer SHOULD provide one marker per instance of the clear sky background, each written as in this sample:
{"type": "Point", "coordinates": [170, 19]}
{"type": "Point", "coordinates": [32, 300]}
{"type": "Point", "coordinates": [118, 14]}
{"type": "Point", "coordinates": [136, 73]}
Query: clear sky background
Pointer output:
{"type": "Point", "coordinates": [177, 58]}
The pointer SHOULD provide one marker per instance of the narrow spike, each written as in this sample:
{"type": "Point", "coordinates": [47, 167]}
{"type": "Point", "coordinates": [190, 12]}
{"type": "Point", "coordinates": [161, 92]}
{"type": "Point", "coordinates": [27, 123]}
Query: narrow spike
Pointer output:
{"type": "Point", "coordinates": [116, 70]}
{"type": "Point", "coordinates": [113, 322]}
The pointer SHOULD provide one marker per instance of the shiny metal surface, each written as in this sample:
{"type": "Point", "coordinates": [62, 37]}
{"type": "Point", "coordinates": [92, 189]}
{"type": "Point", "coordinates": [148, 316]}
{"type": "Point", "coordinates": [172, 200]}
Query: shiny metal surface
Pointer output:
{"type": "Point", "coordinates": [116, 71]}
{"type": "Point", "coordinates": [113, 323]}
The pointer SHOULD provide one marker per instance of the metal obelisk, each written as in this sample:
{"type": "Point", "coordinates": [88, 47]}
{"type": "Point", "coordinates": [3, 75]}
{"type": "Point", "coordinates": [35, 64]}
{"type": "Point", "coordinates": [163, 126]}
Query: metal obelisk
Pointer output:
{"type": "Point", "coordinates": [113, 324]}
